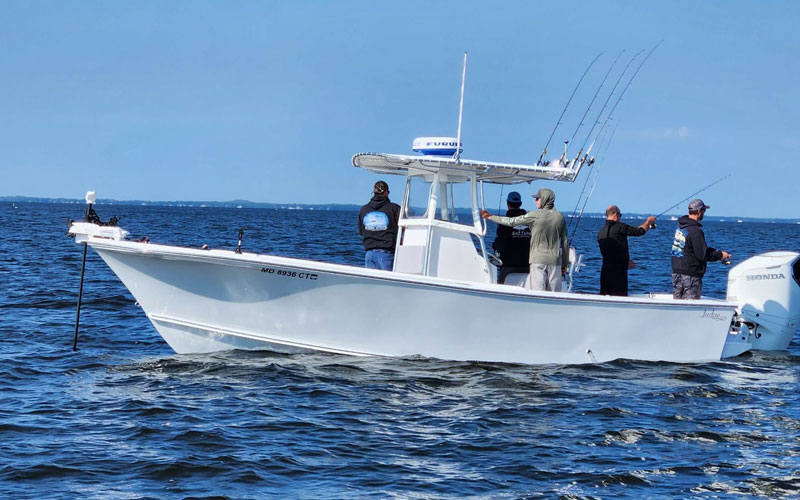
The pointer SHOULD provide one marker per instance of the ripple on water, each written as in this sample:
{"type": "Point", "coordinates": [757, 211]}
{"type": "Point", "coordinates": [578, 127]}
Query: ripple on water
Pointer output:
{"type": "Point", "coordinates": [124, 417]}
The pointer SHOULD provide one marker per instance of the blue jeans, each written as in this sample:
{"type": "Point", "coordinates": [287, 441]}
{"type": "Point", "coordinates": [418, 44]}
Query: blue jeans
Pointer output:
{"type": "Point", "coordinates": [379, 259]}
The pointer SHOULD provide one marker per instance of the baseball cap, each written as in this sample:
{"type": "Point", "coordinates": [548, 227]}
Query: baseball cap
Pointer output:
{"type": "Point", "coordinates": [697, 204]}
{"type": "Point", "coordinates": [380, 187]}
{"type": "Point", "coordinates": [538, 194]}
{"type": "Point", "coordinates": [514, 197]}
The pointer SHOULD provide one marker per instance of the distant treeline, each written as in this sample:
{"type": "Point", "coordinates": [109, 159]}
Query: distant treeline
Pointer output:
{"type": "Point", "coordinates": [326, 206]}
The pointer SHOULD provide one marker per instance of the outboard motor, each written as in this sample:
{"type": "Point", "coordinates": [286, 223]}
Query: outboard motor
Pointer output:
{"type": "Point", "coordinates": [767, 290]}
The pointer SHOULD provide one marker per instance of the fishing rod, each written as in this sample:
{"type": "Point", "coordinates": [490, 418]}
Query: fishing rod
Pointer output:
{"type": "Point", "coordinates": [581, 161]}
{"type": "Point", "coordinates": [595, 95]}
{"type": "Point", "coordinates": [589, 175]}
{"type": "Point", "coordinates": [594, 183]}
{"type": "Point", "coordinates": [692, 196]}
{"type": "Point", "coordinates": [608, 99]}
{"type": "Point", "coordinates": [500, 201]}
{"type": "Point", "coordinates": [611, 113]}
{"type": "Point", "coordinates": [613, 108]}
{"type": "Point", "coordinates": [558, 122]}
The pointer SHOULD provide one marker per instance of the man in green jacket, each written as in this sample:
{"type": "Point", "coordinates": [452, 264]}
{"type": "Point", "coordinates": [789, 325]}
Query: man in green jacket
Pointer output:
{"type": "Point", "coordinates": [549, 257]}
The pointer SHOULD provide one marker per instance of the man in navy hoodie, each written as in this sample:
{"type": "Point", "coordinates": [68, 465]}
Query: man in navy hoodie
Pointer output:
{"type": "Point", "coordinates": [690, 253]}
{"type": "Point", "coordinates": [377, 225]}
{"type": "Point", "coordinates": [513, 243]}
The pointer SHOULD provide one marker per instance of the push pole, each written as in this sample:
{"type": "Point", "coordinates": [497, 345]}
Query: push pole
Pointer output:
{"type": "Point", "coordinates": [80, 297]}
{"type": "Point", "coordinates": [90, 199]}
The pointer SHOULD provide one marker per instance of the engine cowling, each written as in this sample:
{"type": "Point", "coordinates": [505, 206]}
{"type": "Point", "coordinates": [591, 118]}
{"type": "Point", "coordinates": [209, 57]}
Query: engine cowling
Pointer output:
{"type": "Point", "coordinates": [766, 288]}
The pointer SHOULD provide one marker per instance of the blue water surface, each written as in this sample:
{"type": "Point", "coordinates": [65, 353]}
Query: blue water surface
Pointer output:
{"type": "Point", "coordinates": [125, 417]}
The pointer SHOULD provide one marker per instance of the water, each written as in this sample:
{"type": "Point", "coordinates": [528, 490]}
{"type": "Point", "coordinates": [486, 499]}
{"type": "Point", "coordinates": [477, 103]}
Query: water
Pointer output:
{"type": "Point", "coordinates": [125, 417]}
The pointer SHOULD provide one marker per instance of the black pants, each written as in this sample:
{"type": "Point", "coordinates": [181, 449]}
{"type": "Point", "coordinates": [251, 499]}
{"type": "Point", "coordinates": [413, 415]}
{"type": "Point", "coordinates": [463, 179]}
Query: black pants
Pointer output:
{"type": "Point", "coordinates": [614, 281]}
{"type": "Point", "coordinates": [506, 270]}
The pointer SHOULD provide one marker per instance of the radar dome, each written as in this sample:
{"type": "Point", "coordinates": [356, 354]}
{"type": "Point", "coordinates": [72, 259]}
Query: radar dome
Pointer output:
{"type": "Point", "coordinates": [437, 146]}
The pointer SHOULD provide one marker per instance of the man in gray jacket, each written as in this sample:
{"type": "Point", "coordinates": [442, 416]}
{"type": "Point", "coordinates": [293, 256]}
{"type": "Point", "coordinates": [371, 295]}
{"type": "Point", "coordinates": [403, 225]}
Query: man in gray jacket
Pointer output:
{"type": "Point", "coordinates": [549, 256]}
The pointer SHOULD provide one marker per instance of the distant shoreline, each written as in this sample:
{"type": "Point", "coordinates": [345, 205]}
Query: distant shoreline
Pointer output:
{"type": "Point", "coordinates": [335, 207]}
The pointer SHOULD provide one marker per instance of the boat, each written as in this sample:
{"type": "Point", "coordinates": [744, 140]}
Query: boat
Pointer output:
{"type": "Point", "coordinates": [441, 300]}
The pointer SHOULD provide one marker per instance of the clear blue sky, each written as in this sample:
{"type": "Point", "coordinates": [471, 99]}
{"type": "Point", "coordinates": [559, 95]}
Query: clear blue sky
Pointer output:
{"type": "Point", "coordinates": [268, 101]}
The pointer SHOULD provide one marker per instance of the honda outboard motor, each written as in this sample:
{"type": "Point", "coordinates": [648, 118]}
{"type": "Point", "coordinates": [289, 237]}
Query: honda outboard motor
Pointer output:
{"type": "Point", "coordinates": [767, 289]}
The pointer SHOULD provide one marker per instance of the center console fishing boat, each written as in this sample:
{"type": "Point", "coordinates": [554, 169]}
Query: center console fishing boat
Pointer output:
{"type": "Point", "coordinates": [441, 300]}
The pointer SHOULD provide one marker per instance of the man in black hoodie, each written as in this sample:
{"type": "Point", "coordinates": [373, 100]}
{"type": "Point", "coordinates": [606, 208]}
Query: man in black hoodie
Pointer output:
{"type": "Point", "coordinates": [377, 225]}
{"type": "Point", "coordinates": [513, 243]}
{"type": "Point", "coordinates": [690, 253]}
{"type": "Point", "coordinates": [613, 242]}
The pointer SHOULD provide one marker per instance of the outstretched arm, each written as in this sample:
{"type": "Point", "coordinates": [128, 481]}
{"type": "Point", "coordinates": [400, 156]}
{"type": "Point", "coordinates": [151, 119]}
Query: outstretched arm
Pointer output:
{"type": "Point", "coordinates": [648, 223]}
{"type": "Point", "coordinates": [522, 220]}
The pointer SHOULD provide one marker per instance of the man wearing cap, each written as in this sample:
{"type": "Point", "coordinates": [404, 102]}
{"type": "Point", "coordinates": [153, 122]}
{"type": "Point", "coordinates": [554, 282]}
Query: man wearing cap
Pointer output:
{"type": "Point", "coordinates": [613, 241]}
{"type": "Point", "coordinates": [377, 225]}
{"type": "Point", "coordinates": [690, 253]}
{"type": "Point", "coordinates": [513, 243]}
{"type": "Point", "coordinates": [549, 251]}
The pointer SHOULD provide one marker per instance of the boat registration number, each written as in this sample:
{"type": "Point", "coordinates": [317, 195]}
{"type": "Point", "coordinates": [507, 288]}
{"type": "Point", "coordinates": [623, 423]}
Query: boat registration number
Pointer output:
{"type": "Point", "coordinates": [289, 274]}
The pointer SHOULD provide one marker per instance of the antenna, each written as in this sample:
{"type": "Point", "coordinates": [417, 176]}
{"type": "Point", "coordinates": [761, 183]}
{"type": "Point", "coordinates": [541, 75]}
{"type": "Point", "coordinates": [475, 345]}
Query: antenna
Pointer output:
{"type": "Point", "coordinates": [457, 155]}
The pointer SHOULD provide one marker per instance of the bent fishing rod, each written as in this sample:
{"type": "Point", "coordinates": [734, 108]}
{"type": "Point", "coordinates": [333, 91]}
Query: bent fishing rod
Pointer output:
{"type": "Point", "coordinates": [691, 196]}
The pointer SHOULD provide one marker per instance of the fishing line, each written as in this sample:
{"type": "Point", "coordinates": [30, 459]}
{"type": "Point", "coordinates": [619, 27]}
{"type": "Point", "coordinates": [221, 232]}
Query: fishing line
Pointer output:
{"type": "Point", "coordinates": [694, 194]}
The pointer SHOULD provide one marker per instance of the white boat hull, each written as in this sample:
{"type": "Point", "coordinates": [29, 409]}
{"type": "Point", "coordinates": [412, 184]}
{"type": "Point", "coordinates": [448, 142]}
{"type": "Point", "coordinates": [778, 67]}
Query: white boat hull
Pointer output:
{"type": "Point", "coordinates": [204, 301]}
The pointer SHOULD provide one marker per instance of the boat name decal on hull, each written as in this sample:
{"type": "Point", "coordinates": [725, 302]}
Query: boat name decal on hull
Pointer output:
{"type": "Point", "coordinates": [289, 274]}
{"type": "Point", "coordinates": [713, 315]}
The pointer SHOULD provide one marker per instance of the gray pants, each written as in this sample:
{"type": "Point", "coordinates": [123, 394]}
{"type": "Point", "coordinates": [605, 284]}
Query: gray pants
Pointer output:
{"type": "Point", "coordinates": [545, 277]}
{"type": "Point", "coordinates": [686, 287]}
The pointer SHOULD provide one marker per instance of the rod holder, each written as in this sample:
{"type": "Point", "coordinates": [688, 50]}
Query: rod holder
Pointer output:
{"type": "Point", "coordinates": [239, 245]}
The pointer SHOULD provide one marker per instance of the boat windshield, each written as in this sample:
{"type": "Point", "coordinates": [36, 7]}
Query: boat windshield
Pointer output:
{"type": "Point", "coordinates": [453, 201]}
{"type": "Point", "coordinates": [458, 204]}
{"type": "Point", "coordinates": [416, 203]}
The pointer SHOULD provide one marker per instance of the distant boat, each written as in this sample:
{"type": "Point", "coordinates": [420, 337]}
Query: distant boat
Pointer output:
{"type": "Point", "coordinates": [739, 221]}
{"type": "Point", "coordinates": [14, 206]}
{"type": "Point", "coordinates": [673, 218]}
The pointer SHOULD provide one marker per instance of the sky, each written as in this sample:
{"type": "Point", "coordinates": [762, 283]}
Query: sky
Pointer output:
{"type": "Point", "coordinates": [268, 101]}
